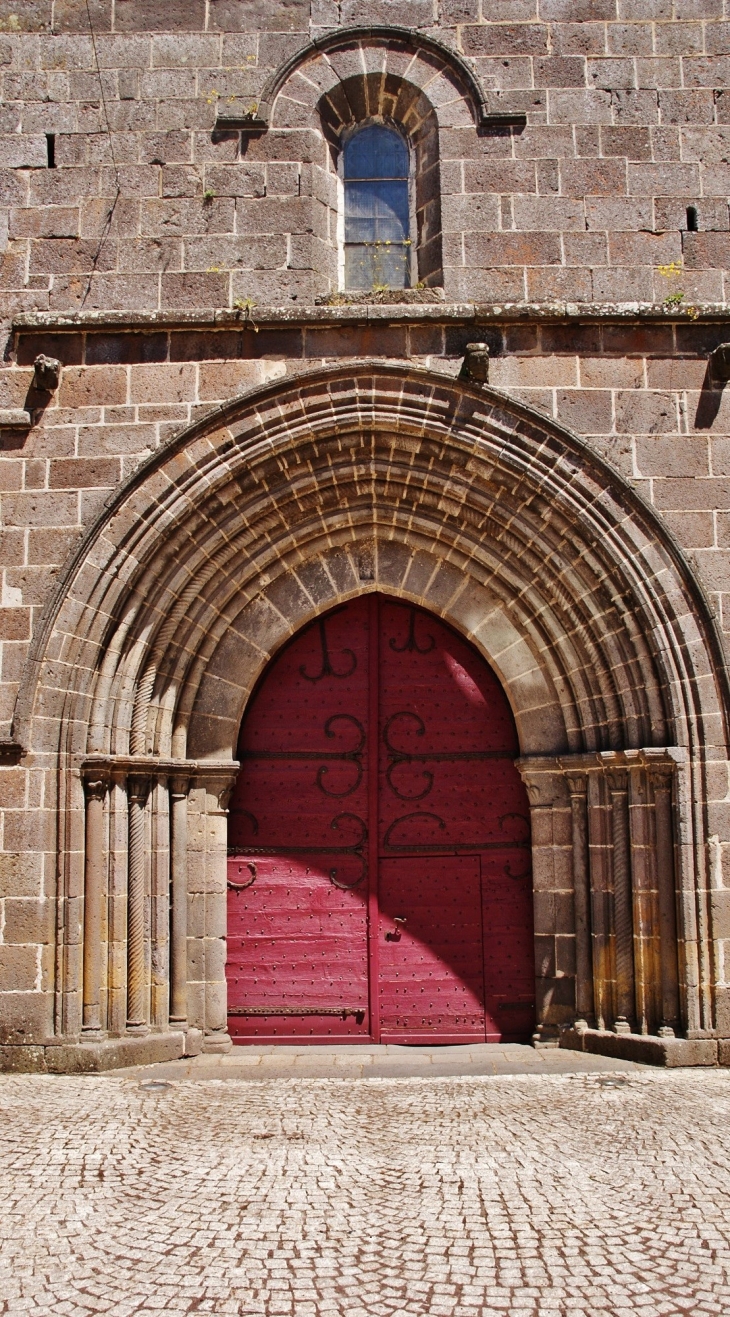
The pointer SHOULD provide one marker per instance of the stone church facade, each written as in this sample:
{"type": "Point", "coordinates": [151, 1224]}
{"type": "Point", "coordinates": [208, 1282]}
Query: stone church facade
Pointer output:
{"type": "Point", "coordinates": [229, 404]}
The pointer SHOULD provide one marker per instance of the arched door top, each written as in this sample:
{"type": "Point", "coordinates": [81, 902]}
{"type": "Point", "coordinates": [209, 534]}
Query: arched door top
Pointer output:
{"type": "Point", "coordinates": [342, 480]}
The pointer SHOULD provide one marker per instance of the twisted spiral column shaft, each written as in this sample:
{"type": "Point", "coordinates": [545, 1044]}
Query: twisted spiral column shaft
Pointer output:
{"type": "Point", "coordinates": [137, 901]}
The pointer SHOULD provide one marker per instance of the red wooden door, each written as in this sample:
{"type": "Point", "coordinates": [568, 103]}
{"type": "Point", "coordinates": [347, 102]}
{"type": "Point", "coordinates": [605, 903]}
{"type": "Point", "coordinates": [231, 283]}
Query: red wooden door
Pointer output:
{"type": "Point", "coordinates": [379, 876]}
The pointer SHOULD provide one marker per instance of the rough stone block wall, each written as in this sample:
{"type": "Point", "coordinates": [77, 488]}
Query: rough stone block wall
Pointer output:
{"type": "Point", "coordinates": [628, 125]}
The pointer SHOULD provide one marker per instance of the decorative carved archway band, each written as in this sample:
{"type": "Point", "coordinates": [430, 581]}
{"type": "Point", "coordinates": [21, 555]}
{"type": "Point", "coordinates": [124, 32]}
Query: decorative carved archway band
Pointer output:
{"type": "Point", "coordinates": [257, 521]}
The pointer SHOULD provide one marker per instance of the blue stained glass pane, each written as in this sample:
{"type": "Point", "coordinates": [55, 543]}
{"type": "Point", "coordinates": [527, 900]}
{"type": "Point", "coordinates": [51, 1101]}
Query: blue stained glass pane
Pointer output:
{"type": "Point", "coordinates": [376, 152]}
{"type": "Point", "coordinates": [368, 267]}
{"type": "Point", "coordinates": [376, 211]}
{"type": "Point", "coordinates": [377, 219]}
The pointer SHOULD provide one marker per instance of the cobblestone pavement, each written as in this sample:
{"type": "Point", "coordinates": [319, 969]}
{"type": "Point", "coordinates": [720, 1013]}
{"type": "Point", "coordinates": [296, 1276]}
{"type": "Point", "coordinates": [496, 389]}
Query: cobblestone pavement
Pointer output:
{"type": "Point", "coordinates": [584, 1193]}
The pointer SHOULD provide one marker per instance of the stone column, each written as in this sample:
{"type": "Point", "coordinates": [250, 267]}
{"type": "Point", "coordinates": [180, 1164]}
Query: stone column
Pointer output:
{"type": "Point", "coordinates": [179, 901]}
{"type": "Point", "coordinates": [207, 874]}
{"type": "Point", "coordinates": [644, 896]}
{"type": "Point", "coordinates": [137, 1022]}
{"type": "Point", "coordinates": [622, 901]}
{"type": "Point", "coordinates": [552, 886]}
{"type": "Point", "coordinates": [94, 894]}
{"type": "Point", "coordinates": [599, 850]}
{"type": "Point", "coordinates": [159, 951]}
{"type": "Point", "coordinates": [584, 1007]}
{"type": "Point", "coordinates": [661, 781]}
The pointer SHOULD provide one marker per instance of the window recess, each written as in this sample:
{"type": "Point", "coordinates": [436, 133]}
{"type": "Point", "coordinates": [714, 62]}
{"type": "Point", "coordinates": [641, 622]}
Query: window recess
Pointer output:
{"type": "Point", "coordinates": [377, 203]}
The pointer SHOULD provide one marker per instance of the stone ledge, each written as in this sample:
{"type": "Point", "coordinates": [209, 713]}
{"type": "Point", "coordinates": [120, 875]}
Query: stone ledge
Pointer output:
{"type": "Point", "coordinates": [84, 1058]}
{"type": "Point", "coordinates": [644, 1048]}
{"type": "Point", "coordinates": [14, 418]}
{"type": "Point", "coordinates": [354, 313]}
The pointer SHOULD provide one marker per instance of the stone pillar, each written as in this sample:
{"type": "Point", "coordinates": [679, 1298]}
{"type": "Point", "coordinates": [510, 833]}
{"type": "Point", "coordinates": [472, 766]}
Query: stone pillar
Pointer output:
{"type": "Point", "coordinates": [644, 897]}
{"type": "Point", "coordinates": [117, 903]}
{"type": "Point", "coordinates": [552, 885]}
{"type": "Point", "coordinates": [207, 909]}
{"type": "Point", "coordinates": [622, 900]}
{"type": "Point", "coordinates": [601, 905]}
{"type": "Point", "coordinates": [94, 895]}
{"type": "Point", "coordinates": [584, 1008]}
{"type": "Point", "coordinates": [179, 901]}
{"type": "Point", "coordinates": [661, 781]}
{"type": "Point", "coordinates": [137, 1005]}
{"type": "Point", "coordinates": [159, 813]}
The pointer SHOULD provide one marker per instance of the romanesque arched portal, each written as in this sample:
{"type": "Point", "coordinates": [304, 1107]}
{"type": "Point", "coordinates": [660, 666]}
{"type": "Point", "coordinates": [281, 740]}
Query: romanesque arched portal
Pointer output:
{"type": "Point", "coordinates": [265, 515]}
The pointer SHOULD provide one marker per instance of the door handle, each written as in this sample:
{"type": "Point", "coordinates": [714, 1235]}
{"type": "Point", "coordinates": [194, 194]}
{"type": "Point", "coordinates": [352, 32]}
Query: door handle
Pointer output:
{"type": "Point", "coordinates": [395, 934]}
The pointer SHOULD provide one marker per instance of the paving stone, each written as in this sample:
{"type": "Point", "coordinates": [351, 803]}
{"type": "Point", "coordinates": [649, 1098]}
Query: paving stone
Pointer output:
{"type": "Point", "coordinates": [552, 1194]}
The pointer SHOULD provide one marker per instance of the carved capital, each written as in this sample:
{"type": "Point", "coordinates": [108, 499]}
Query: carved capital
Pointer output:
{"type": "Point", "coordinates": [660, 776]}
{"type": "Point", "coordinates": [96, 787]}
{"type": "Point", "coordinates": [179, 786]}
{"type": "Point", "coordinates": [577, 784]}
{"type": "Point", "coordinates": [542, 778]}
{"type": "Point", "coordinates": [219, 784]}
{"type": "Point", "coordinates": [224, 796]}
{"type": "Point", "coordinates": [618, 780]}
{"type": "Point", "coordinates": [138, 789]}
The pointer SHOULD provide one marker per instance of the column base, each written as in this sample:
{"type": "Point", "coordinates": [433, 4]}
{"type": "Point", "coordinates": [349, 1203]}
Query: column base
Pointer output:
{"type": "Point", "coordinates": [193, 1042]}
{"type": "Point", "coordinates": [79, 1057]}
{"type": "Point", "coordinates": [647, 1049]}
{"type": "Point", "coordinates": [217, 1044]}
{"type": "Point", "coordinates": [546, 1035]}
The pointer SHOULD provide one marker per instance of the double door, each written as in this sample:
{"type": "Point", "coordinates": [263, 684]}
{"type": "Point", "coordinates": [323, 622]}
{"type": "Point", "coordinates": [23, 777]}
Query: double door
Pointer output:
{"type": "Point", "coordinates": [379, 883]}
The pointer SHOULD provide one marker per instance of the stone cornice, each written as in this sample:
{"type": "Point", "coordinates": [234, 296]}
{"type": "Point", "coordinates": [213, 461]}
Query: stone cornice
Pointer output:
{"type": "Point", "coordinates": [353, 313]}
{"type": "Point", "coordinates": [604, 760]}
{"type": "Point", "coordinates": [155, 765]}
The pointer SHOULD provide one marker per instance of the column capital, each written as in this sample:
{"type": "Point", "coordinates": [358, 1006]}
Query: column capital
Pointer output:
{"type": "Point", "coordinates": [96, 785]}
{"type": "Point", "coordinates": [138, 788]}
{"type": "Point", "coordinates": [577, 782]}
{"type": "Point", "coordinates": [542, 778]}
{"type": "Point", "coordinates": [661, 776]}
{"type": "Point", "coordinates": [618, 780]}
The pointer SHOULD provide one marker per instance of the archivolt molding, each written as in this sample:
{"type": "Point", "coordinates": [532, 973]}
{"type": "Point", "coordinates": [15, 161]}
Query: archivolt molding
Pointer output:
{"type": "Point", "coordinates": [275, 508]}
{"type": "Point", "coordinates": [391, 52]}
{"type": "Point", "coordinates": [253, 522]}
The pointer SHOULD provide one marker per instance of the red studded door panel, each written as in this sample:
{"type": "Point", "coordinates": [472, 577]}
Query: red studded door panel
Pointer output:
{"type": "Point", "coordinates": [379, 865]}
{"type": "Point", "coordinates": [297, 930]}
{"type": "Point", "coordinates": [431, 974]}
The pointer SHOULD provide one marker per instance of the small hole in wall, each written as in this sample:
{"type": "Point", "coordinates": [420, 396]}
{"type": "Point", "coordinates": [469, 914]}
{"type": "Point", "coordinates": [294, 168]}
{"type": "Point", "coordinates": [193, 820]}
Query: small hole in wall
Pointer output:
{"type": "Point", "coordinates": [692, 225]}
{"type": "Point", "coordinates": [51, 150]}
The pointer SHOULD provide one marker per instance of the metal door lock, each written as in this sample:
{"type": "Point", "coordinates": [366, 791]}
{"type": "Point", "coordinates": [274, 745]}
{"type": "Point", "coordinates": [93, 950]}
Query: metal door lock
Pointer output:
{"type": "Point", "coordinates": [395, 935]}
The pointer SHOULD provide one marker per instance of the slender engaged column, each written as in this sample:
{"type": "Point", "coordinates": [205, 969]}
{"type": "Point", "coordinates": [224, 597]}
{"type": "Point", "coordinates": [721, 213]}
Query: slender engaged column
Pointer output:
{"type": "Point", "coordinates": [622, 903]}
{"type": "Point", "coordinates": [578, 788]}
{"type": "Point", "coordinates": [662, 783]}
{"type": "Point", "coordinates": [601, 896]}
{"type": "Point", "coordinates": [137, 791]}
{"type": "Point", "coordinates": [94, 887]}
{"type": "Point", "coordinates": [179, 901]}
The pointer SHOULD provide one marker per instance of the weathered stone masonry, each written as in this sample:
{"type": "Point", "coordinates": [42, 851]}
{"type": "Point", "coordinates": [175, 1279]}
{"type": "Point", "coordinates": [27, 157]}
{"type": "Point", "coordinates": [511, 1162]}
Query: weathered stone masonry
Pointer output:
{"type": "Point", "coordinates": [235, 442]}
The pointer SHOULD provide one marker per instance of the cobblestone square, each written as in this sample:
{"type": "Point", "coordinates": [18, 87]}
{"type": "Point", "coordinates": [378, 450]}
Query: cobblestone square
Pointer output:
{"type": "Point", "coordinates": [584, 1193]}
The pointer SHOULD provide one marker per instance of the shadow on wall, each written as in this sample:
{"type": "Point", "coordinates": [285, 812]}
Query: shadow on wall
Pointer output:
{"type": "Point", "coordinates": [713, 385]}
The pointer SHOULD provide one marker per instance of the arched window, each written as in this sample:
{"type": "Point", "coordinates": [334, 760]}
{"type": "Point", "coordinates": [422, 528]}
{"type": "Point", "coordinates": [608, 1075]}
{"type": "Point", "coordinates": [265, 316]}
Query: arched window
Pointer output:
{"type": "Point", "coordinates": [377, 209]}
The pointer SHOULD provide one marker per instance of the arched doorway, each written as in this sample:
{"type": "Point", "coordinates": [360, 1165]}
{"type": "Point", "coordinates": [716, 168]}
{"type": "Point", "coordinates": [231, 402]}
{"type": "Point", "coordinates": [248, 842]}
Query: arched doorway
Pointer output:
{"type": "Point", "coordinates": [381, 893]}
